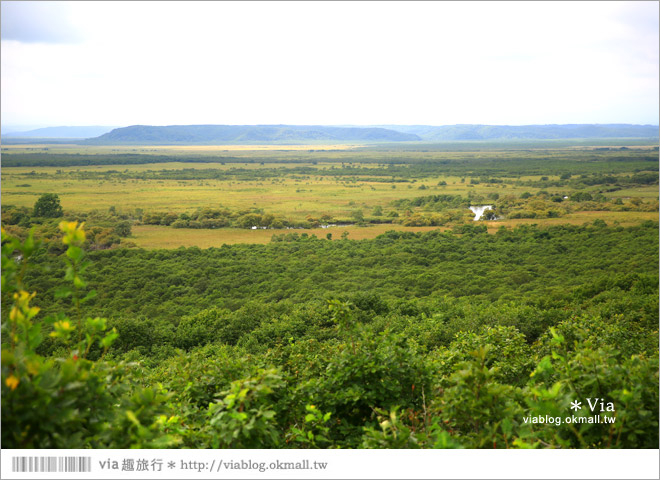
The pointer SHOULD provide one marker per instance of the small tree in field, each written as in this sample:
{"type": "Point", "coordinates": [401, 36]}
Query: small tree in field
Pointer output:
{"type": "Point", "coordinates": [123, 229]}
{"type": "Point", "coordinates": [48, 206]}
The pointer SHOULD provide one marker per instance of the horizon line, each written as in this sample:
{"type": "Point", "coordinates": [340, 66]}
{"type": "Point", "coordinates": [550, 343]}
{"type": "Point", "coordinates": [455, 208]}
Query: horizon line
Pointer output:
{"type": "Point", "coordinates": [358, 125]}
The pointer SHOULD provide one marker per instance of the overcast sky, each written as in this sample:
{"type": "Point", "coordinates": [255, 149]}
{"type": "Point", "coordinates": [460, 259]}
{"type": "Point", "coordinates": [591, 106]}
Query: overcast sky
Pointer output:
{"type": "Point", "coordinates": [434, 63]}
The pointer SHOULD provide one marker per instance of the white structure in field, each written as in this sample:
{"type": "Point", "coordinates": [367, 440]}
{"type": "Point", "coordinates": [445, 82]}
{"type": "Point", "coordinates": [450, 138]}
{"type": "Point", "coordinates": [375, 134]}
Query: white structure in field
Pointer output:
{"type": "Point", "coordinates": [479, 210]}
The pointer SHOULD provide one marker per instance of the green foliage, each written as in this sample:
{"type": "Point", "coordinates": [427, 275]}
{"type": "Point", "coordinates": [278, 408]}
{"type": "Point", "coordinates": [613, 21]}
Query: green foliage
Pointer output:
{"type": "Point", "coordinates": [314, 431]}
{"type": "Point", "coordinates": [477, 407]}
{"type": "Point", "coordinates": [245, 417]}
{"type": "Point", "coordinates": [506, 352]}
{"type": "Point", "coordinates": [627, 335]}
{"type": "Point", "coordinates": [440, 340]}
{"type": "Point", "coordinates": [390, 433]}
{"type": "Point", "coordinates": [48, 205]}
{"type": "Point", "coordinates": [211, 218]}
{"type": "Point", "coordinates": [103, 229]}
{"type": "Point", "coordinates": [141, 423]}
{"type": "Point", "coordinates": [527, 265]}
{"type": "Point", "coordinates": [196, 379]}
{"type": "Point", "coordinates": [374, 371]}
{"type": "Point", "coordinates": [590, 372]}
{"type": "Point", "coordinates": [65, 401]}
{"type": "Point", "coordinates": [123, 228]}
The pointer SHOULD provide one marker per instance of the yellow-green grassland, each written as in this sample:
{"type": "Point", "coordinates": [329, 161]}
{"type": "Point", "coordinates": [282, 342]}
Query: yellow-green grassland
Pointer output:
{"type": "Point", "coordinates": [351, 184]}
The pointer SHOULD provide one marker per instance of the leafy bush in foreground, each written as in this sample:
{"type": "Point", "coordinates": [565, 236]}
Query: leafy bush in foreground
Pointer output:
{"type": "Point", "coordinates": [67, 400]}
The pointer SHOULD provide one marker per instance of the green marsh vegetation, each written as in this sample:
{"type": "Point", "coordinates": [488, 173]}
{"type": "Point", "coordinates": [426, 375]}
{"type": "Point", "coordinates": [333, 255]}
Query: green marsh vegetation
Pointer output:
{"type": "Point", "coordinates": [450, 338]}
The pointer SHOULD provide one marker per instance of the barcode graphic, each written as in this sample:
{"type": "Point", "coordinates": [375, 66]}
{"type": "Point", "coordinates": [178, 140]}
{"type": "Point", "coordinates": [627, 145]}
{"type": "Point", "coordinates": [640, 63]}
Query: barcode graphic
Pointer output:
{"type": "Point", "coordinates": [51, 464]}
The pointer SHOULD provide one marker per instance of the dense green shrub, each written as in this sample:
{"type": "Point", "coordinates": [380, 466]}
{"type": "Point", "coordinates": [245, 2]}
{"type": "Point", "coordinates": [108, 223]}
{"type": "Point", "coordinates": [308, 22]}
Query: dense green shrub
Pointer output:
{"type": "Point", "coordinates": [508, 355]}
{"type": "Point", "coordinates": [442, 340]}
{"type": "Point", "coordinates": [246, 417]}
{"type": "Point", "coordinates": [67, 400]}
{"type": "Point", "coordinates": [372, 371]}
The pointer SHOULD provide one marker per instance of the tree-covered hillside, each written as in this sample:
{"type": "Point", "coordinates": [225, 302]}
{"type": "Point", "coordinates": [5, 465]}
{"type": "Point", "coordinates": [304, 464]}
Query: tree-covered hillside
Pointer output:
{"type": "Point", "coordinates": [442, 340]}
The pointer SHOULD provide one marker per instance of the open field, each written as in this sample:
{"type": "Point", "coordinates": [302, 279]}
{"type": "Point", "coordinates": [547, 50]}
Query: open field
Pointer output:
{"type": "Point", "coordinates": [16, 145]}
{"type": "Point", "coordinates": [463, 151]}
{"type": "Point", "coordinates": [297, 198]}
{"type": "Point", "coordinates": [294, 197]}
{"type": "Point", "coordinates": [299, 184]}
{"type": "Point", "coordinates": [624, 219]}
{"type": "Point", "coordinates": [291, 197]}
{"type": "Point", "coordinates": [154, 236]}
{"type": "Point", "coordinates": [97, 187]}
{"type": "Point", "coordinates": [164, 149]}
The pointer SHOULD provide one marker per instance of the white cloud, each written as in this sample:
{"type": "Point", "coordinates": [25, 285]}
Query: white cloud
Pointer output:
{"type": "Point", "coordinates": [339, 63]}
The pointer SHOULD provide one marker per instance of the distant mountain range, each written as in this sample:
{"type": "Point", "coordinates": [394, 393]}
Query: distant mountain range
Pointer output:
{"type": "Point", "coordinates": [300, 134]}
{"type": "Point", "coordinates": [527, 132]}
{"type": "Point", "coordinates": [247, 134]}
{"type": "Point", "coordinates": [62, 132]}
